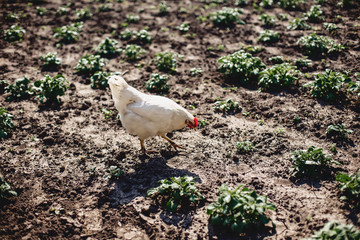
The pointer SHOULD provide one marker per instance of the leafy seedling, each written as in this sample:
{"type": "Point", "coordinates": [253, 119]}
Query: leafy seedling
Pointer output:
{"type": "Point", "coordinates": [19, 90]}
{"type": "Point", "coordinates": [82, 14]}
{"type": "Point", "coordinates": [336, 231]}
{"type": "Point", "coordinates": [49, 89]}
{"type": "Point", "coordinates": [157, 83]}
{"type": "Point", "coordinates": [134, 52]}
{"type": "Point", "coordinates": [277, 76]}
{"type": "Point", "coordinates": [89, 64]}
{"type": "Point", "coordinates": [100, 79]}
{"type": "Point", "coordinates": [14, 33]}
{"type": "Point", "coordinates": [177, 191]}
{"type": "Point", "coordinates": [269, 36]}
{"type": "Point", "coordinates": [166, 61]}
{"type": "Point", "coordinates": [108, 114]}
{"type": "Point", "coordinates": [314, 14]}
{"type": "Point", "coordinates": [310, 163]}
{"type": "Point", "coordinates": [318, 45]}
{"type": "Point", "coordinates": [338, 131]}
{"type": "Point", "coordinates": [291, 4]}
{"type": "Point", "coordinates": [226, 17]}
{"type": "Point", "coordinates": [298, 24]}
{"type": "Point", "coordinates": [6, 123]}
{"type": "Point", "coordinates": [196, 71]}
{"type": "Point", "coordinates": [227, 106]}
{"type": "Point", "coordinates": [69, 33]}
{"type": "Point", "coordinates": [50, 60]}
{"type": "Point", "coordinates": [184, 28]}
{"type": "Point", "coordinates": [108, 47]}
{"type": "Point", "coordinates": [5, 190]}
{"type": "Point", "coordinates": [240, 210]}
{"type": "Point", "coordinates": [350, 188]}
{"type": "Point", "coordinates": [244, 147]}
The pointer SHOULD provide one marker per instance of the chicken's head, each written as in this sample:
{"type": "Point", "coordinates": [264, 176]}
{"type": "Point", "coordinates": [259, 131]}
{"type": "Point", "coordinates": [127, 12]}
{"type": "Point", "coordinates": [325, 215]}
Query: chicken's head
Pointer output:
{"type": "Point", "coordinates": [192, 124]}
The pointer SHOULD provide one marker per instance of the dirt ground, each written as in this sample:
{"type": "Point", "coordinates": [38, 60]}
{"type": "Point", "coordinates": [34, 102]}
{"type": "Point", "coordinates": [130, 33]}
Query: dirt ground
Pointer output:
{"type": "Point", "coordinates": [57, 159]}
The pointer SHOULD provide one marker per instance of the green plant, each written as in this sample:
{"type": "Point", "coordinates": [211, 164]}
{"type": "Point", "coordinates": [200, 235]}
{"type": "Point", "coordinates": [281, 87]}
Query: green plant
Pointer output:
{"type": "Point", "coordinates": [268, 36]}
{"type": "Point", "coordinates": [157, 83]}
{"type": "Point", "coordinates": [251, 49]}
{"type": "Point", "coordinates": [3, 85]}
{"type": "Point", "coordinates": [90, 64]}
{"type": "Point", "coordinates": [62, 11]}
{"type": "Point", "coordinates": [126, 34]}
{"type": "Point", "coordinates": [279, 75]}
{"type": "Point", "coordinates": [50, 60]}
{"type": "Point", "coordinates": [227, 106]}
{"type": "Point", "coordinates": [69, 33]}
{"type": "Point", "coordinates": [241, 2]}
{"type": "Point", "coordinates": [203, 123]}
{"type": "Point", "coordinates": [12, 17]}
{"type": "Point", "coordinates": [226, 17]}
{"type": "Point", "coordinates": [327, 85]}
{"type": "Point", "coordinates": [336, 231]}
{"type": "Point", "coordinates": [317, 45]}
{"type": "Point", "coordinates": [14, 33]}
{"type": "Point", "coordinates": [298, 24]}
{"type": "Point", "coordinates": [134, 52]}
{"type": "Point", "coordinates": [241, 65]}
{"type": "Point", "coordinates": [142, 36]}
{"type": "Point", "coordinates": [50, 88]}
{"type": "Point", "coordinates": [82, 14]}
{"type": "Point", "coordinates": [115, 172]}
{"type": "Point", "coordinates": [266, 3]}
{"type": "Point", "coordinates": [350, 187]}
{"type": "Point", "coordinates": [108, 113]}
{"type": "Point", "coordinates": [108, 47]}
{"type": "Point", "coordinates": [276, 59]}
{"type": "Point", "coordinates": [5, 190]}
{"type": "Point", "coordinates": [41, 11]}
{"type": "Point", "coordinates": [163, 7]}
{"type": "Point", "coordinates": [165, 61]}
{"type": "Point", "coordinates": [310, 163]}
{"type": "Point", "coordinates": [5, 123]}
{"type": "Point", "coordinates": [354, 86]}
{"type": "Point", "coordinates": [291, 4]}
{"type": "Point", "coordinates": [100, 79]}
{"type": "Point", "coordinates": [314, 14]}
{"type": "Point", "coordinates": [196, 71]}
{"type": "Point", "coordinates": [19, 90]}
{"type": "Point", "coordinates": [240, 209]}
{"type": "Point", "coordinates": [338, 131]}
{"type": "Point", "coordinates": [244, 147]}
{"type": "Point", "coordinates": [106, 7]}
{"type": "Point", "coordinates": [267, 19]}
{"type": "Point", "coordinates": [303, 62]}
{"type": "Point", "coordinates": [176, 191]}
{"type": "Point", "coordinates": [184, 27]}
{"type": "Point", "coordinates": [131, 18]}
{"type": "Point", "coordinates": [330, 27]}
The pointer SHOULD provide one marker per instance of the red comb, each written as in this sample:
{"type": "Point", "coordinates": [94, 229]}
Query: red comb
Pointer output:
{"type": "Point", "coordinates": [196, 122]}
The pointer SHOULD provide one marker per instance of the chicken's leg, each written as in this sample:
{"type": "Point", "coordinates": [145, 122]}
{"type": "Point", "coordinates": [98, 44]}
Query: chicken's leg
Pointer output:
{"type": "Point", "coordinates": [173, 144]}
{"type": "Point", "coordinates": [143, 147]}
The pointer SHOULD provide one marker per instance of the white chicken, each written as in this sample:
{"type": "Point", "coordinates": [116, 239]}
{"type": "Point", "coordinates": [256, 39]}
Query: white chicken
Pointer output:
{"type": "Point", "coordinates": [147, 115]}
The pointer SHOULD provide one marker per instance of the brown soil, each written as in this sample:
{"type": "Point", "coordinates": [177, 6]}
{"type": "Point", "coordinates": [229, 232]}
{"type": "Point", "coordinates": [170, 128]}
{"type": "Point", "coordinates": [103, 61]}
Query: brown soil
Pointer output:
{"type": "Point", "coordinates": [50, 155]}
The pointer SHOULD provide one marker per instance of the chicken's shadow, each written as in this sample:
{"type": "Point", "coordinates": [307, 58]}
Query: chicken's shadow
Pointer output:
{"type": "Point", "coordinates": [146, 176]}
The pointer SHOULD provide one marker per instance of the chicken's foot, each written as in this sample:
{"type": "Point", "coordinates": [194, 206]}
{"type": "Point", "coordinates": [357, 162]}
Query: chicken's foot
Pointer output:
{"type": "Point", "coordinates": [144, 151]}
{"type": "Point", "coordinates": [172, 143]}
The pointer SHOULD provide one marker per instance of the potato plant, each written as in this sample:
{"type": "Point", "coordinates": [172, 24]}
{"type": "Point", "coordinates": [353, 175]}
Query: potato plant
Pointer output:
{"type": "Point", "coordinates": [12, 17]}
{"type": "Point", "coordinates": [157, 83]}
{"type": "Point", "coordinates": [227, 106]}
{"type": "Point", "coordinates": [134, 52]}
{"type": "Point", "coordinates": [19, 90]}
{"type": "Point", "coordinates": [266, 3]}
{"type": "Point", "coordinates": [291, 4]}
{"type": "Point", "coordinates": [268, 20]}
{"type": "Point", "coordinates": [244, 147]}
{"type": "Point", "coordinates": [49, 89]}
{"type": "Point", "coordinates": [330, 27]}
{"type": "Point", "coordinates": [50, 60]}
{"type": "Point", "coordinates": [277, 59]}
{"type": "Point", "coordinates": [277, 76]}
{"type": "Point", "coordinates": [41, 11]}
{"type": "Point", "coordinates": [298, 24]}
{"type": "Point", "coordinates": [350, 188]}
{"type": "Point", "coordinates": [310, 163]}
{"type": "Point", "coordinates": [241, 66]}
{"type": "Point", "coordinates": [89, 64]}
{"type": "Point", "coordinates": [338, 131]}
{"type": "Point", "coordinates": [166, 61]}
{"type": "Point", "coordinates": [108, 47]}
{"type": "Point", "coordinates": [6, 123]}
{"type": "Point", "coordinates": [226, 17]}
{"type": "Point", "coordinates": [318, 45]}
{"type": "Point", "coordinates": [268, 36]}
{"type": "Point", "coordinates": [132, 18]}
{"type": "Point", "coordinates": [240, 210]}
{"type": "Point", "coordinates": [335, 231]}
{"type": "Point", "coordinates": [14, 33]}
{"type": "Point", "coordinates": [69, 33]}
{"type": "Point", "coordinates": [327, 85]}
{"type": "Point", "coordinates": [185, 27]}
{"type": "Point", "coordinates": [126, 34]}
{"type": "Point", "coordinates": [303, 62]}
{"type": "Point", "coordinates": [196, 71]}
{"type": "Point", "coordinates": [63, 10]}
{"type": "Point", "coordinates": [100, 79]}
{"type": "Point", "coordinates": [314, 14]}
{"type": "Point", "coordinates": [114, 172]}
{"type": "Point", "coordinates": [163, 7]}
{"type": "Point", "coordinates": [3, 85]}
{"type": "Point", "coordinates": [177, 191]}
{"type": "Point", "coordinates": [82, 14]}
{"type": "Point", "coordinates": [5, 190]}
{"type": "Point", "coordinates": [142, 36]}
